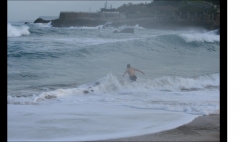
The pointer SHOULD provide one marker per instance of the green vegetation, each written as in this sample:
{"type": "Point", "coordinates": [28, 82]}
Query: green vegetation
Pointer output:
{"type": "Point", "coordinates": [171, 2]}
{"type": "Point", "coordinates": [157, 6]}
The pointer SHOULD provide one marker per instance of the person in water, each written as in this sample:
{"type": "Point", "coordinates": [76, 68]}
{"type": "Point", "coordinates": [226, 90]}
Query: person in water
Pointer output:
{"type": "Point", "coordinates": [131, 73]}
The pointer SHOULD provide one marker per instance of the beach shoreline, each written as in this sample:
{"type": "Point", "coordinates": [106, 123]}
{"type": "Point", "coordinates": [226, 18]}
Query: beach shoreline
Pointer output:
{"type": "Point", "coordinates": [202, 128]}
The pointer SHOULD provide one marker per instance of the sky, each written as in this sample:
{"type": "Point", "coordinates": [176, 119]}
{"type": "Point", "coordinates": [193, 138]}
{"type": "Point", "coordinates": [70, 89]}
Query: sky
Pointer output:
{"type": "Point", "coordinates": [30, 10]}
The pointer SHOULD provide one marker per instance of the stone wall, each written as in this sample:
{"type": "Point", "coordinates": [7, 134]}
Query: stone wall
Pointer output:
{"type": "Point", "coordinates": [91, 15]}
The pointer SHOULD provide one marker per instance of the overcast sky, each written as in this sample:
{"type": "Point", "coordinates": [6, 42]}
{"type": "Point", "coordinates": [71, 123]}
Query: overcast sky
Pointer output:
{"type": "Point", "coordinates": [30, 10]}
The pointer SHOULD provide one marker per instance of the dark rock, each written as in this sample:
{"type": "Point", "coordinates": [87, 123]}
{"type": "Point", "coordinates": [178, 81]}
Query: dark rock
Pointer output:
{"type": "Point", "coordinates": [50, 96]}
{"type": "Point", "coordinates": [127, 30]}
{"type": "Point", "coordinates": [97, 83]}
{"type": "Point", "coordinates": [218, 32]}
{"type": "Point", "coordinates": [85, 92]}
{"type": "Point", "coordinates": [40, 20]}
{"type": "Point", "coordinates": [26, 23]}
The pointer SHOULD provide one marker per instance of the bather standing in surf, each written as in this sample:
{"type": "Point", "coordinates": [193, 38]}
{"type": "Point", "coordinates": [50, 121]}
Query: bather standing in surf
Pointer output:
{"type": "Point", "coordinates": [131, 73]}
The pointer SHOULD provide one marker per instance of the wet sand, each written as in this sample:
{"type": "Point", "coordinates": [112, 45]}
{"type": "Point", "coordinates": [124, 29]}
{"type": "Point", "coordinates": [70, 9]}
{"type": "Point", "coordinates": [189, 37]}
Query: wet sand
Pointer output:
{"type": "Point", "coordinates": [203, 128]}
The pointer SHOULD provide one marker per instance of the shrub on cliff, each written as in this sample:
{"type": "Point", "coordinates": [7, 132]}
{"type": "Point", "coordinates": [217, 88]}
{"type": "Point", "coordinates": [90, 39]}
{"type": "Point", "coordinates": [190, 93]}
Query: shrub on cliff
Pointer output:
{"type": "Point", "coordinates": [196, 6]}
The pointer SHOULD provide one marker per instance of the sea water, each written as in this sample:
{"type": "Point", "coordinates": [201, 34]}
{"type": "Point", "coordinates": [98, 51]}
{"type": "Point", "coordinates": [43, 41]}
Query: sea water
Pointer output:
{"type": "Point", "coordinates": [68, 84]}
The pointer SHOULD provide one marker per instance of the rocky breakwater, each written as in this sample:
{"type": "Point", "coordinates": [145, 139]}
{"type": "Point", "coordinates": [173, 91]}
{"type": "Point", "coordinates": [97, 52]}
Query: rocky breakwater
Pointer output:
{"type": "Point", "coordinates": [68, 19]}
{"type": "Point", "coordinates": [40, 20]}
{"type": "Point", "coordinates": [160, 22]}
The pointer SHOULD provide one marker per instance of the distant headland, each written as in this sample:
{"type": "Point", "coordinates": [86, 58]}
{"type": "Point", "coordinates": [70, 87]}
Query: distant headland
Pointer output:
{"type": "Point", "coordinates": [159, 14]}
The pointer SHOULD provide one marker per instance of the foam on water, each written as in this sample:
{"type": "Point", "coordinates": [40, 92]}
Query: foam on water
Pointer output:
{"type": "Point", "coordinates": [178, 89]}
{"type": "Point", "coordinates": [76, 123]}
{"type": "Point", "coordinates": [89, 41]}
{"type": "Point", "coordinates": [44, 25]}
{"type": "Point", "coordinates": [87, 28]}
{"type": "Point", "coordinates": [127, 26]}
{"type": "Point", "coordinates": [58, 90]}
{"type": "Point", "coordinates": [112, 108]}
{"type": "Point", "coordinates": [200, 37]}
{"type": "Point", "coordinates": [16, 31]}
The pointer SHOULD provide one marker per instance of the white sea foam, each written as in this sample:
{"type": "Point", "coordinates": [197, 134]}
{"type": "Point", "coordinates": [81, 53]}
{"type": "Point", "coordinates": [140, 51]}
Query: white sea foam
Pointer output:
{"type": "Point", "coordinates": [127, 26]}
{"type": "Point", "coordinates": [190, 95]}
{"type": "Point", "coordinates": [86, 121]}
{"type": "Point", "coordinates": [16, 31]}
{"type": "Point", "coordinates": [87, 28]}
{"type": "Point", "coordinates": [200, 37]}
{"type": "Point", "coordinates": [60, 109]}
{"type": "Point", "coordinates": [139, 27]}
{"type": "Point", "coordinates": [44, 25]}
{"type": "Point", "coordinates": [92, 41]}
{"type": "Point", "coordinates": [111, 83]}
{"type": "Point", "coordinates": [108, 106]}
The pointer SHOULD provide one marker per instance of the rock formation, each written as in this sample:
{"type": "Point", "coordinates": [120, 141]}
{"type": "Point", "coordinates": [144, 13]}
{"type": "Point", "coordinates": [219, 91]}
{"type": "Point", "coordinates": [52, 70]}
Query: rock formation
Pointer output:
{"type": "Point", "coordinates": [40, 20]}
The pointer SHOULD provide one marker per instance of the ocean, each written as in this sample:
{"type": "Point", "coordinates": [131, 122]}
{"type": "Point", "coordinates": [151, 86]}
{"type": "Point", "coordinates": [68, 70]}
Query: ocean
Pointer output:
{"type": "Point", "coordinates": [67, 84]}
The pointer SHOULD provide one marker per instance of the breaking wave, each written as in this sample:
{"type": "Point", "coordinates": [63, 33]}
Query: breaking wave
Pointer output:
{"type": "Point", "coordinates": [201, 37]}
{"type": "Point", "coordinates": [111, 85]}
{"type": "Point", "coordinates": [16, 31]}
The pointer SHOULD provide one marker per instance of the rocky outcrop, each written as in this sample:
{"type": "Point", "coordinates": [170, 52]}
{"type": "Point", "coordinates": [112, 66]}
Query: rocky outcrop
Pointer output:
{"type": "Point", "coordinates": [40, 20]}
{"type": "Point", "coordinates": [218, 32]}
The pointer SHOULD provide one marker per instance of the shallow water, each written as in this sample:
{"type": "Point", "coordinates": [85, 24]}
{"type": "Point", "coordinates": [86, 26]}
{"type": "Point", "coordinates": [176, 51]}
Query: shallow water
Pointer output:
{"type": "Point", "coordinates": [49, 69]}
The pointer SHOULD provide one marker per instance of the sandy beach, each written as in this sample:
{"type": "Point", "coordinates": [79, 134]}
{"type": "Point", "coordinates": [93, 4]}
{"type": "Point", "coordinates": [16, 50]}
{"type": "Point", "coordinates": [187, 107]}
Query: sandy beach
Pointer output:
{"type": "Point", "coordinates": [203, 128]}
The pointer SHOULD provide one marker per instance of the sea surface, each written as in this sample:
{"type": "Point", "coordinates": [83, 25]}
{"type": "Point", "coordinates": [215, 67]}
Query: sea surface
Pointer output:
{"type": "Point", "coordinates": [67, 84]}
